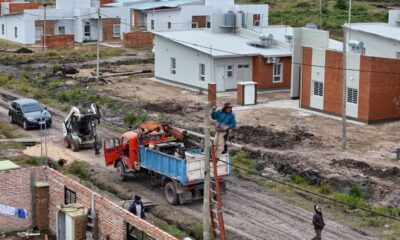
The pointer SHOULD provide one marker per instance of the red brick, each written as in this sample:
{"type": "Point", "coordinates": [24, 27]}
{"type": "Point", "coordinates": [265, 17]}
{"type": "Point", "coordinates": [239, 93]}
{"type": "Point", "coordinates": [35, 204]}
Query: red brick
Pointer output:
{"type": "Point", "coordinates": [135, 39]}
{"type": "Point", "coordinates": [262, 73]}
{"type": "Point", "coordinates": [20, 7]}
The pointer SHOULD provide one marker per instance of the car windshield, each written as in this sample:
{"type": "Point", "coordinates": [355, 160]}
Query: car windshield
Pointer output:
{"type": "Point", "coordinates": [33, 107]}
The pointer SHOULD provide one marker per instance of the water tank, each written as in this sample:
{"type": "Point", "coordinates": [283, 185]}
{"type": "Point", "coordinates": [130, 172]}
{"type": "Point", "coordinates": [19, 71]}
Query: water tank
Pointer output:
{"type": "Point", "coordinates": [311, 25]}
{"type": "Point", "coordinates": [243, 17]}
{"type": "Point", "coordinates": [266, 40]}
{"type": "Point", "coordinates": [230, 19]}
{"type": "Point", "coordinates": [356, 46]}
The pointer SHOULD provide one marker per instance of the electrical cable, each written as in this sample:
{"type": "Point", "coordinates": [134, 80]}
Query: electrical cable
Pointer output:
{"type": "Point", "coordinates": [310, 192]}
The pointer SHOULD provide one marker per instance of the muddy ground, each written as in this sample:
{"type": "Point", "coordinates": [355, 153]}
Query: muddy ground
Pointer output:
{"type": "Point", "coordinates": [288, 139]}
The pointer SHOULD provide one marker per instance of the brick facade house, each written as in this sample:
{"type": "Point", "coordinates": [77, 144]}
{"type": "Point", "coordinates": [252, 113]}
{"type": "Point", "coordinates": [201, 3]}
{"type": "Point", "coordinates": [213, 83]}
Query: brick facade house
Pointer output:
{"type": "Point", "coordinates": [373, 87]}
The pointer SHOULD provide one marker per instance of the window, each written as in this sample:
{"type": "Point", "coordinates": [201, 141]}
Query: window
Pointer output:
{"type": "Point", "coordinates": [398, 55]}
{"type": "Point", "coordinates": [318, 88]}
{"type": "Point", "coordinates": [61, 30]}
{"type": "Point", "coordinates": [202, 72]}
{"type": "Point", "coordinates": [69, 196]}
{"type": "Point", "coordinates": [229, 71]}
{"type": "Point", "coordinates": [152, 24]}
{"type": "Point", "coordinates": [208, 24]}
{"type": "Point", "coordinates": [194, 25]}
{"type": "Point", "coordinates": [256, 20]}
{"type": "Point", "coordinates": [87, 29]}
{"type": "Point", "coordinates": [173, 65]}
{"type": "Point", "coordinates": [169, 25]}
{"type": "Point", "coordinates": [16, 32]}
{"type": "Point", "coordinates": [117, 30]}
{"type": "Point", "coordinates": [243, 66]}
{"type": "Point", "coordinates": [277, 74]}
{"type": "Point", "coordinates": [352, 95]}
{"type": "Point", "coordinates": [38, 33]}
{"type": "Point", "coordinates": [2, 29]}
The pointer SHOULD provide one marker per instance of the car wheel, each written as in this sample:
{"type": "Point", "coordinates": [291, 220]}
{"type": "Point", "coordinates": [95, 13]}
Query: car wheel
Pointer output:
{"type": "Point", "coordinates": [170, 193]}
{"type": "Point", "coordinates": [67, 141]}
{"type": "Point", "coordinates": [74, 145]}
{"type": "Point", "coordinates": [25, 125]}
{"type": "Point", "coordinates": [10, 119]}
{"type": "Point", "coordinates": [121, 171]}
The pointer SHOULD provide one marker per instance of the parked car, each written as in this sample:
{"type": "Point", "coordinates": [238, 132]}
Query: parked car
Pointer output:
{"type": "Point", "coordinates": [29, 113]}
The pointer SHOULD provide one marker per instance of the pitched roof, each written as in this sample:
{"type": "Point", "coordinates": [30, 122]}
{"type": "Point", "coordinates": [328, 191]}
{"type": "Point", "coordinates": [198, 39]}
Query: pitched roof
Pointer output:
{"type": "Point", "coordinates": [383, 30]}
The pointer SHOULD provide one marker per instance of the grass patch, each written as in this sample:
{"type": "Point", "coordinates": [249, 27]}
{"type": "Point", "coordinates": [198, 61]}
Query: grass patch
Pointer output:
{"type": "Point", "coordinates": [80, 169]}
{"type": "Point", "coordinates": [11, 145]}
{"type": "Point", "coordinates": [8, 131]}
{"type": "Point", "coordinates": [29, 160]}
{"type": "Point", "coordinates": [170, 228]}
{"type": "Point", "coordinates": [242, 160]}
{"type": "Point", "coordinates": [132, 119]}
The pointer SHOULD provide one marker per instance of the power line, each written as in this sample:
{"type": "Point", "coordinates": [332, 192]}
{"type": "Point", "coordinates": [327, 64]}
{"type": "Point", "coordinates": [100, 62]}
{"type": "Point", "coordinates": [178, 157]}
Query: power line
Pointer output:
{"type": "Point", "coordinates": [310, 192]}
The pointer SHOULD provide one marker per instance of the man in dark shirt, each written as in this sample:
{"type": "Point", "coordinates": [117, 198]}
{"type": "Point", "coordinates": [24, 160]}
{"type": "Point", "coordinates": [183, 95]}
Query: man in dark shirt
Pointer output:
{"type": "Point", "coordinates": [137, 207]}
{"type": "Point", "coordinates": [318, 222]}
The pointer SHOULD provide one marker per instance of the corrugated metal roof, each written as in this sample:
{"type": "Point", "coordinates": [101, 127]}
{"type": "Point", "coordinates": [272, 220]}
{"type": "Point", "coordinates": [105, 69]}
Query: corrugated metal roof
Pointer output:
{"type": "Point", "coordinates": [151, 5]}
{"type": "Point", "coordinates": [379, 29]}
{"type": "Point", "coordinates": [7, 165]}
{"type": "Point", "coordinates": [223, 44]}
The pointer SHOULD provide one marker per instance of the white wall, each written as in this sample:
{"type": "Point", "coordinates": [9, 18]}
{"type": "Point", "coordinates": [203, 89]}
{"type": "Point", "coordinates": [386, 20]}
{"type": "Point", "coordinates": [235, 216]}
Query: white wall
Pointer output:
{"type": "Point", "coordinates": [317, 74]}
{"type": "Point", "coordinates": [353, 81]}
{"type": "Point", "coordinates": [394, 18]}
{"type": "Point", "coordinates": [25, 29]}
{"type": "Point", "coordinates": [376, 45]}
{"type": "Point", "coordinates": [219, 2]}
{"type": "Point", "coordinates": [73, 4]}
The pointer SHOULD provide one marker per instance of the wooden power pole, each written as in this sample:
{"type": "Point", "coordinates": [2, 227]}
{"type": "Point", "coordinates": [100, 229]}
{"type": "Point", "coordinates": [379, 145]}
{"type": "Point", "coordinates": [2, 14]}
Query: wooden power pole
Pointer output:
{"type": "Point", "coordinates": [344, 92]}
{"type": "Point", "coordinates": [207, 151]}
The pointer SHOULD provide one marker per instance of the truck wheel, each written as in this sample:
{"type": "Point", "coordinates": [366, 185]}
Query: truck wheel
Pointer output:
{"type": "Point", "coordinates": [170, 193]}
{"type": "Point", "coordinates": [67, 141]}
{"type": "Point", "coordinates": [74, 145]}
{"type": "Point", "coordinates": [121, 171]}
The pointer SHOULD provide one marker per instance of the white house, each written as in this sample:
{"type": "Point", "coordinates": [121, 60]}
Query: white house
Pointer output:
{"type": "Point", "coordinates": [225, 54]}
{"type": "Point", "coordinates": [379, 39]}
{"type": "Point", "coordinates": [77, 17]}
{"type": "Point", "coordinates": [185, 14]}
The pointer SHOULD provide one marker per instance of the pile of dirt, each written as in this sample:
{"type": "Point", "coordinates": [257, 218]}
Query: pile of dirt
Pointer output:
{"type": "Point", "coordinates": [172, 107]}
{"type": "Point", "coordinates": [365, 168]}
{"type": "Point", "coordinates": [23, 50]}
{"type": "Point", "coordinates": [266, 137]}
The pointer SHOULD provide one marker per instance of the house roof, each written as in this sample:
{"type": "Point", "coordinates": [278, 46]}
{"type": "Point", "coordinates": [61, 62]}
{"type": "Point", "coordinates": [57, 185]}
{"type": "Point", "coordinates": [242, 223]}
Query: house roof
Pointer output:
{"type": "Point", "coordinates": [151, 5]}
{"type": "Point", "coordinates": [221, 44]}
{"type": "Point", "coordinates": [383, 30]}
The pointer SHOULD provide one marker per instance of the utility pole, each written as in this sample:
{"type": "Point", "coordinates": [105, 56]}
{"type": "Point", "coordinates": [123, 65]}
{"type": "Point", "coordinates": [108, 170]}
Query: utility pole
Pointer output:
{"type": "Point", "coordinates": [320, 14]}
{"type": "Point", "coordinates": [44, 27]}
{"type": "Point", "coordinates": [207, 151]}
{"type": "Point", "coordinates": [349, 21]}
{"type": "Point", "coordinates": [344, 92]}
{"type": "Point", "coordinates": [98, 43]}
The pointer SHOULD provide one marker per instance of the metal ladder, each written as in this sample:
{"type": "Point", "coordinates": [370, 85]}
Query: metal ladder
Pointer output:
{"type": "Point", "coordinates": [216, 213]}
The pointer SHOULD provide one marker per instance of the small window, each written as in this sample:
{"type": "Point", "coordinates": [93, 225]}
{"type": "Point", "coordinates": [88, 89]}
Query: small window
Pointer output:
{"type": "Point", "coordinates": [61, 30]}
{"type": "Point", "coordinates": [2, 29]}
{"type": "Point", "coordinates": [194, 25]}
{"type": "Point", "coordinates": [117, 31]}
{"type": "Point", "coordinates": [87, 29]}
{"type": "Point", "coordinates": [240, 66]}
{"type": "Point", "coordinates": [246, 66]}
{"type": "Point", "coordinates": [16, 32]}
{"type": "Point", "coordinates": [169, 25]}
{"type": "Point", "coordinates": [208, 24]}
{"type": "Point", "coordinates": [277, 77]}
{"type": "Point", "coordinates": [352, 95]}
{"type": "Point", "coordinates": [152, 24]}
{"type": "Point", "coordinates": [398, 55]}
{"type": "Point", "coordinates": [38, 33]}
{"type": "Point", "coordinates": [318, 88]}
{"type": "Point", "coordinates": [229, 71]}
{"type": "Point", "coordinates": [256, 20]}
{"type": "Point", "coordinates": [69, 196]}
{"type": "Point", "coordinates": [173, 66]}
{"type": "Point", "coordinates": [202, 72]}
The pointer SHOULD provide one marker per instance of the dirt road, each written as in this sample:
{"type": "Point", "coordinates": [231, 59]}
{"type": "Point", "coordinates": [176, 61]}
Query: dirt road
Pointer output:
{"type": "Point", "coordinates": [249, 212]}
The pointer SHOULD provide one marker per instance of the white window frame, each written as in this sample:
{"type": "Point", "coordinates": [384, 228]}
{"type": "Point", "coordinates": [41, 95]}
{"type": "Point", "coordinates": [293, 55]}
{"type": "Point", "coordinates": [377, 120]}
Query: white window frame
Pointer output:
{"type": "Point", "coordinates": [195, 25]}
{"type": "Point", "coordinates": [202, 72]}
{"type": "Point", "coordinates": [173, 65]}
{"type": "Point", "coordinates": [352, 96]}
{"type": "Point", "coordinates": [116, 33]}
{"type": "Point", "coordinates": [38, 37]}
{"type": "Point", "coordinates": [59, 30]}
{"type": "Point", "coordinates": [16, 32]}
{"type": "Point", "coordinates": [2, 29]}
{"type": "Point", "coordinates": [320, 91]}
{"type": "Point", "coordinates": [230, 71]}
{"type": "Point", "coordinates": [277, 77]}
{"type": "Point", "coordinates": [87, 34]}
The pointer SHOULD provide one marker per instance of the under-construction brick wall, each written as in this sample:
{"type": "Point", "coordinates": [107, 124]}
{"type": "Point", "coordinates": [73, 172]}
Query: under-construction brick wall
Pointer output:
{"type": "Point", "coordinates": [20, 7]}
{"type": "Point", "coordinates": [16, 191]}
{"type": "Point", "coordinates": [49, 26]}
{"type": "Point", "coordinates": [42, 205]}
{"type": "Point", "coordinates": [58, 41]}
{"type": "Point", "coordinates": [108, 29]}
{"type": "Point", "coordinates": [135, 39]}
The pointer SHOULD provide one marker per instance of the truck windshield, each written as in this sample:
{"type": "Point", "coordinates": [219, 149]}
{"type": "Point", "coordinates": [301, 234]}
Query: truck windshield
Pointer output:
{"type": "Point", "coordinates": [33, 107]}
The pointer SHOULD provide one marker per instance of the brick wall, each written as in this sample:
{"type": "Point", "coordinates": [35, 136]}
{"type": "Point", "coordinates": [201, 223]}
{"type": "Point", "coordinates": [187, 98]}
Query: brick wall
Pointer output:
{"type": "Point", "coordinates": [15, 191]}
{"type": "Point", "coordinates": [108, 29]}
{"type": "Point", "coordinates": [262, 73]}
{"type": "Point", "coordinates": [201, 21]}
{"type": "Point", "coordinates": [49, 26]}
{"type": "Point", "coordinates": [59, 41]}
{"type": "Point", "coordinates": [20, 7]}
{"type": "Point", "coordinates": [240, 95]}
{"type": "Point", "coordinates": [42, 206]}
{"type": "Point", "coordinates": [134, 39]}
{"type": "Point", "coordinates": [212, 94]}
{"type": "Point", "coordinates": [364, 88]}
{"type": "Point", "coordinates": [305, 86]}
{"type": "Point", "coordinates": [3, 1]}
{"type": "Point", "coordinates": [104, 2]}
{"type": "Point", "coordinates": [111, 218]}
{"type": "Point", "coordinates": [333, 86]}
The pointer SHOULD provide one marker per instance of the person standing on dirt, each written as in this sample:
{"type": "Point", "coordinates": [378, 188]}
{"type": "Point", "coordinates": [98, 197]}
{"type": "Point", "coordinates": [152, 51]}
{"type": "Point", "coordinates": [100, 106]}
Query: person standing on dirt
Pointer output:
{"type": "Point", "coordinates": [318, 222]}
{"type": "Point", "coordinates": [225, 121]}
{"type": "Point", "coordinates": [137, 207]}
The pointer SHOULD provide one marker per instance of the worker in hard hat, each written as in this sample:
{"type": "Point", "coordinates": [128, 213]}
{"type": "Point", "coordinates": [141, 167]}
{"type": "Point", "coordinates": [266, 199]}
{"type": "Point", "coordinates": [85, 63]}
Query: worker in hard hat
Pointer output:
{"type": "Point", "coordinates": [225, 122]}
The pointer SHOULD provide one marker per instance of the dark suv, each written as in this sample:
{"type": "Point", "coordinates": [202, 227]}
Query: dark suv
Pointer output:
{"type": "Point", "coordinates": [28, 112]}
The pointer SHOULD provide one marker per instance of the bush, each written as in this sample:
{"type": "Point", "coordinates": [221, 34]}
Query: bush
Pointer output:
{"type": "Point", "coordinates": [325, 188]}
{"type": "Point", "coordinates": [356, 191]}
{"type": "Point", "coordinates": [297, 179]}
{"type": "Point", "coordinates": [132, 120]}
{"type": "Point", "coordinates": [341, 4]}
{"type": "Point", "coordinates": [72, 95]}
{"type": "Point", "coordinates": [80, 169]}
{"type": "Point", "coordinates": [55, 68]}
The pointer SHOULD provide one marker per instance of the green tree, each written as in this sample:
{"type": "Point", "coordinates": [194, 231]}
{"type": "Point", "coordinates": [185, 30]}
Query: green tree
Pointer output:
{"type": "Point", "coordinates": [341, 4]}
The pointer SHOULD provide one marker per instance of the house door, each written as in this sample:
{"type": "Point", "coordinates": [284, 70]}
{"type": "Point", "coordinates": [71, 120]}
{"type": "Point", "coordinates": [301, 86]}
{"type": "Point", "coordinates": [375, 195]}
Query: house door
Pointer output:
{"type": "Point", "coordinates": [220, 78]}
{"type": "Point", "coordinates": [243, 73]}
{"type": "Point", "coordinates": [61, 233]}
{"type": "Point", "coordinates": [38, 33]}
